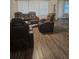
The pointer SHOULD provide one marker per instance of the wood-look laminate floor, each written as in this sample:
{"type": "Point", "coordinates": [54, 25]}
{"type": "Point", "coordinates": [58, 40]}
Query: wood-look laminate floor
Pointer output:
{"type": "Point", "coordinates": [52, 46]}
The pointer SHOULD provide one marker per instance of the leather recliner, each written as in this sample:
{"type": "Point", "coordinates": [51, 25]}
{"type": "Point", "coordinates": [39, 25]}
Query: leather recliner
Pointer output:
{"type": "Point", "coordinates": [47, 25]}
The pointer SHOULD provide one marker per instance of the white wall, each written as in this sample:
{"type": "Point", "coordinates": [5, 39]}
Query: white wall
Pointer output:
{"type": "Point", "coordinates": [60, 8]}
{"type": "Point", "coordinates": [51, 4]}
{"type": "Point", "coordinates": [13, 8]}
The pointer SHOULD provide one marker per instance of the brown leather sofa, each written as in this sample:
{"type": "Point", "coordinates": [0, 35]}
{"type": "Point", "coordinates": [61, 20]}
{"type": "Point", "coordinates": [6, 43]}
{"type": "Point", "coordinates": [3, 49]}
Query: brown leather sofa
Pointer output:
{"type": "Point", "coordinates": [19, 35]}
{"type": "Point", "coordinates": [33, 18]}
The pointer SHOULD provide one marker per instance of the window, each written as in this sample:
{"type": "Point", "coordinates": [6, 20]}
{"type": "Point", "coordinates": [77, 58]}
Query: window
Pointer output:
{"type": "Point", "coordinates": [66, 7]}
{"type": "Point", "coordinates": [40, 7]}
{"type": "Point", "coordinates": [22, 6]}
{"type": "Point", "coordinates": [43, 7]}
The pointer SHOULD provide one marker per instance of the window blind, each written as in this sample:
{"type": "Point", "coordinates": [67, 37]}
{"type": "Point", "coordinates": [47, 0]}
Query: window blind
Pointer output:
{"type": "Point", "coordinates": [40, 7]}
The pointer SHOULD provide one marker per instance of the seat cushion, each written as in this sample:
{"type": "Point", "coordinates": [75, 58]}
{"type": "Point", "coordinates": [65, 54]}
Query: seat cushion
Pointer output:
{"type": "Point", "coordinates": [46, 27]}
